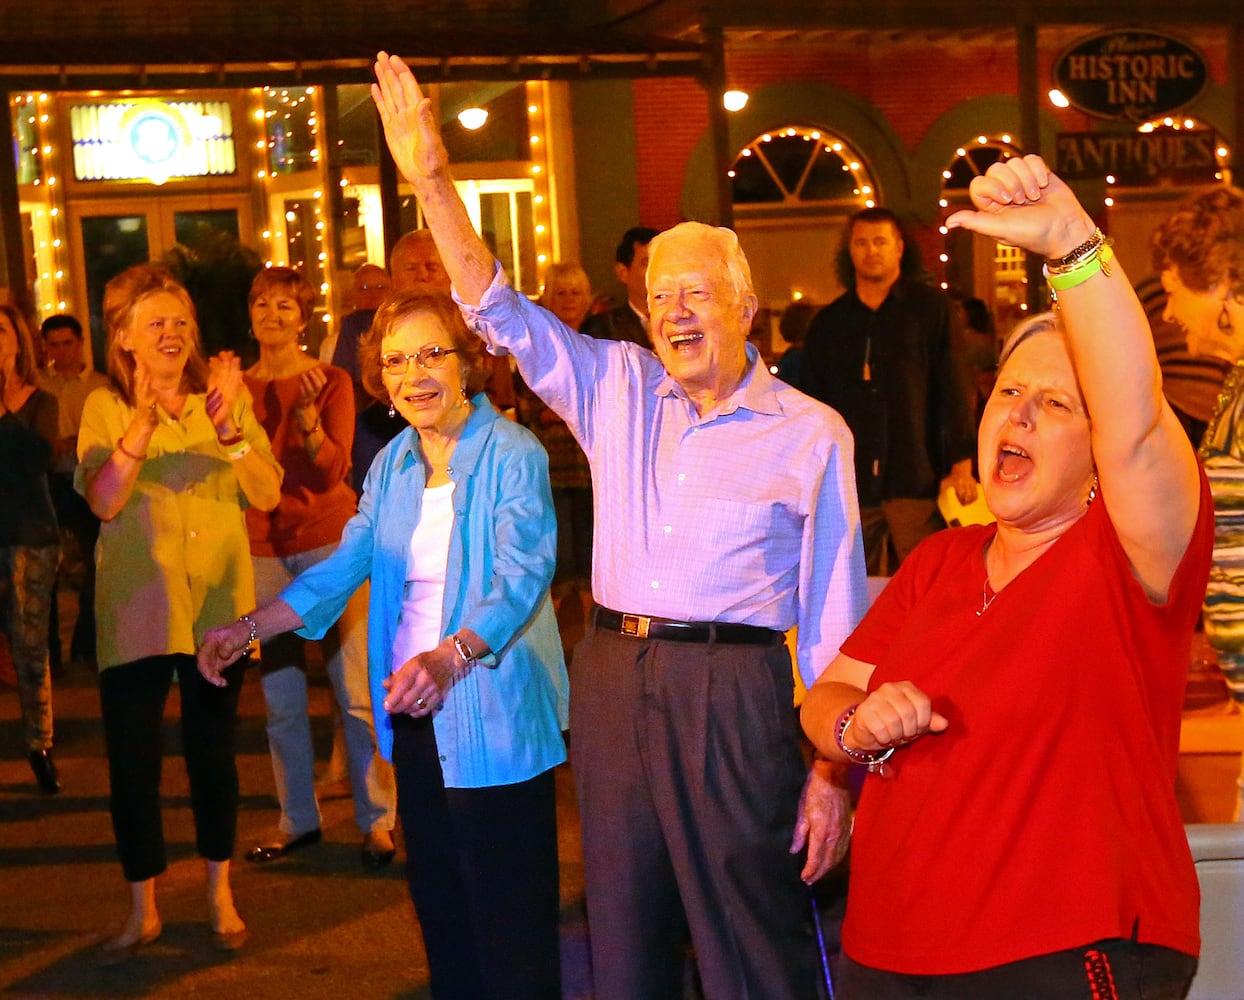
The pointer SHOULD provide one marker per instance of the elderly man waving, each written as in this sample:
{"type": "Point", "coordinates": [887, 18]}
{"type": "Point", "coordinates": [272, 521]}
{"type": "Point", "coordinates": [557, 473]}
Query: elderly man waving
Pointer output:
{"type": "Point", "coordinates": [726, 514]}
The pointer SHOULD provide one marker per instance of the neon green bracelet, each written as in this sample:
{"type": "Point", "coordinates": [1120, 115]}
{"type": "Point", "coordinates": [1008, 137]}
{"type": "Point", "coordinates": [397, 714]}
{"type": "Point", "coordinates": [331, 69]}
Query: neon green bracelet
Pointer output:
{"type": "Point", "coordinates": [1098, 263]}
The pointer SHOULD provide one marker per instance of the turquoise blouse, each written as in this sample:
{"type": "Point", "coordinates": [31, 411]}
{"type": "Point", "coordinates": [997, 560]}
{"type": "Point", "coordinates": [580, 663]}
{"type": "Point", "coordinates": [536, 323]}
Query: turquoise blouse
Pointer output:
{"type": "Point", "coordinates": [503, 722]}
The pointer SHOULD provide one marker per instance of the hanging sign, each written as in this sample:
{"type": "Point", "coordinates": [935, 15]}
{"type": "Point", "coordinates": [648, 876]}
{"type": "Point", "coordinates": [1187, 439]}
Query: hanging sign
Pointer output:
{"type": "Point", "coordinates": [1130, 75]}
{"type": "Point", "coordinates": [1139, 159]}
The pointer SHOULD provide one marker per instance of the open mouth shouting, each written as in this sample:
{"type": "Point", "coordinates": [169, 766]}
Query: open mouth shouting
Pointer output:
{"type": "Point", "coordinates": [1013, 463]}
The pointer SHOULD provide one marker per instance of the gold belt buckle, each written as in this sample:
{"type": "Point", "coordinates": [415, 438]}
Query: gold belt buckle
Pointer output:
{"type": "Point", "coordinates": [636, 625]}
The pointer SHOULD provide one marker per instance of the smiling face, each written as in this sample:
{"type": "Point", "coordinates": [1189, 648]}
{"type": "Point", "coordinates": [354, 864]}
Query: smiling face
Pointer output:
{"type": "Point", "coordinates": [429, 399]}
{"type": "Point", "coordinates": [160, 334]}
{"type": "Point", "coordinates": [276, 318]}
{"type": "Point", "coordinates": [699, 319]}
{"type": "Point", "coordinates": [1197, 313]}
{"type": "Point", "coordinates": [1035, 454]}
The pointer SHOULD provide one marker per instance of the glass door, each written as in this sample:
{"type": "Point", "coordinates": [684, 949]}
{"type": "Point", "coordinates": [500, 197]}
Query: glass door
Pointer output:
{"type": "Point", "coordinates": [109, 236]}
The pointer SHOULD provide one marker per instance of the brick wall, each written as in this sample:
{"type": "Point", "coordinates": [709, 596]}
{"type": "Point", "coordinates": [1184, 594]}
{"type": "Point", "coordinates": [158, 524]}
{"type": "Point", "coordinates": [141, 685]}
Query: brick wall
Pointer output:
{"type": "Point", "coordinates": [910, 80]}
{"type": "Point", "coordinates": [671, 116]}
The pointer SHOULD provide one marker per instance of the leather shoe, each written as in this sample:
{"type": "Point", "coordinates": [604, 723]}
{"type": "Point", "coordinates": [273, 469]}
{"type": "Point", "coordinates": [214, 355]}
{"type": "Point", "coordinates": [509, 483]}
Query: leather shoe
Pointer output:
{"type": "Point", "coordinates": [45, 772]}
{"type": "Point", "coordinates": [378, 849]}
{"type": "Point", "coordinates": [270, 852]}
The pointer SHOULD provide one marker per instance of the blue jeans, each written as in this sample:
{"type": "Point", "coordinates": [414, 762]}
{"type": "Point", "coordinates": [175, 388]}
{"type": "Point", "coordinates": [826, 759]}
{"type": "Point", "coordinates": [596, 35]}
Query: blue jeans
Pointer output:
{"type": "Point", "coordinates": [284, 682]}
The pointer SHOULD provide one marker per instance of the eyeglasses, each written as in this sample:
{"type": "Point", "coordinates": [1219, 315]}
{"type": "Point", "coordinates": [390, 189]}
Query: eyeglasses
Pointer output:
{"type": "Point", "coordinates": [432, 356]}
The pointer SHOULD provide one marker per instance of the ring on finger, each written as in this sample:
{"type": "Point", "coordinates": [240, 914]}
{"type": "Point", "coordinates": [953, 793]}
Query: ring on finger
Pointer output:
{"type": "Point", "coordinates": [420, 702]}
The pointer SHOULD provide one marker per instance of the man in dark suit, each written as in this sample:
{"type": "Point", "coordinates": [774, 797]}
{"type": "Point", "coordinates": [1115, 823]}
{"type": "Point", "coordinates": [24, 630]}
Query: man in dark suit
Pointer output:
{"type": "Point", "coordinates": [628, 321]}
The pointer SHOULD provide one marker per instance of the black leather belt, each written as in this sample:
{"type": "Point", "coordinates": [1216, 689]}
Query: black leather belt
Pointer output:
{"type": "Point", "coordinates": [647, 627]}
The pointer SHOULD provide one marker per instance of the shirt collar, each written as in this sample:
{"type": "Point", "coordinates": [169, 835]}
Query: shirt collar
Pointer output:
{"type": "Point", "coordinates": [757, 391]}
{"type": "Point", "coordinates": [470, 445]}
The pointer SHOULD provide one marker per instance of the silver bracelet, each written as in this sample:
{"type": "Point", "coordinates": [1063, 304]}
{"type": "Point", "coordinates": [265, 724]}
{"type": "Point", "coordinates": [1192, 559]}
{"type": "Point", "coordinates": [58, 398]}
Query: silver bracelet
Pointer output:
{"type": "Point", "coordinates": [873, 758]}
{"type": "Point", "coordinates": [465, 651]}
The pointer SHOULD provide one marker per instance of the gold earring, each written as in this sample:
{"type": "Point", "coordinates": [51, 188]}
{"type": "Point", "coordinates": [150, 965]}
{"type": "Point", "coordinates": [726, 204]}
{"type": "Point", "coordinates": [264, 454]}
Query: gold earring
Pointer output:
{"type": "Point", "coordinates": [392, 410]}
{"type": "Point", "coordinates": [1224, 319]}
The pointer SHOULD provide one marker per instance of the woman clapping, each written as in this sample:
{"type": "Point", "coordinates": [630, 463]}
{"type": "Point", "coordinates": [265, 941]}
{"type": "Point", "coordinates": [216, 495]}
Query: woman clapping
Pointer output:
{"type": "Point", "coordinates": [169, 455]}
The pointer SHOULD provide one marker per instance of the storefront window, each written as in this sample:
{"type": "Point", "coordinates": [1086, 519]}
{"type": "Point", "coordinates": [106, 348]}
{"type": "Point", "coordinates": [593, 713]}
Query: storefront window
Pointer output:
{"type": "Point", "coordinates": [292, 126]}
{"type": "Point", "coordinates": [29, 150]}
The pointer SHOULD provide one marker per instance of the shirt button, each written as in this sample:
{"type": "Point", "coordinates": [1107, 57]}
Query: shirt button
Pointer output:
{"type": "Point", "coordinates": [443, 758]}
{"type": "Point", "coordinates": [682, 476]}
{"type": "Point", "coordinates": [194, 534]}
{"type": "Point", "coordinates": [669, 528]}
{"type": "Point", "coordinates": [656, 584]}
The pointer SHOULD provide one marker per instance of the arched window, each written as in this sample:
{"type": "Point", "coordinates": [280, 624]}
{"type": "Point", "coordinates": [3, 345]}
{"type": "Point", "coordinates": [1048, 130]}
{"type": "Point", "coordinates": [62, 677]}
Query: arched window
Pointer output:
{"type": "Point", "coordinates": [975, 265]}
{"type": "Point", "coordinates": [973, 159]}
{"type": "Point", "coordinates": [797, 167]}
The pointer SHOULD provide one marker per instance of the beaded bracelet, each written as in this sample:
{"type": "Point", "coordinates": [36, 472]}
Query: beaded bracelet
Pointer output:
{"type": "Point", "coordinates": [248, 621]}
{"type": "Point", "coordinates": [873, 758]}
{"type": "Point", "coordinates": [465, 651]}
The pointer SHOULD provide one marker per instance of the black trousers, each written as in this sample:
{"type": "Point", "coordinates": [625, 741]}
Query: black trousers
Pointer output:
{"type": "Point", "coordinates": [1116, 969]}
{"type": "Point", "coordinates": [481, 864]}
{"type": "Point", "coordinates": [689, 772]}
{"type": "Point", "coordinates": [132, 697]}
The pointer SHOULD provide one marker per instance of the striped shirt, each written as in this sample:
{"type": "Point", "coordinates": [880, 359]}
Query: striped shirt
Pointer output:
{"type": "Point", "coordinates": [1222, 451]}
{"type": "Point", "coordinates": [747, 514]}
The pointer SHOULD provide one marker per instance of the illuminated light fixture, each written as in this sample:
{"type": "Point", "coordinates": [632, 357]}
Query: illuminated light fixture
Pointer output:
{"type": "Point", "coordinates": [1059, 99]}
{"type": "Point", "coordinates": [204, 127]}
{"type": "Point", "coordinates": [735, 100]}
{"type": "Point", "coordinates": [472, 118]}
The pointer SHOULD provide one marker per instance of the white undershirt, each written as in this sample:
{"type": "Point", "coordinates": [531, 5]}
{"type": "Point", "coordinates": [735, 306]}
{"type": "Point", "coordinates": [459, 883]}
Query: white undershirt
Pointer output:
{"type": "Point", "coordinates": [427, 561]}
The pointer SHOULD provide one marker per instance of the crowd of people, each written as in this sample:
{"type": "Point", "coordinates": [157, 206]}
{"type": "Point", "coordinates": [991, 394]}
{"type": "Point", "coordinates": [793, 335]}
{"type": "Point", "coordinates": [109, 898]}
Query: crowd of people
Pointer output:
{"type": "Point", "coordinates": [392, 507]}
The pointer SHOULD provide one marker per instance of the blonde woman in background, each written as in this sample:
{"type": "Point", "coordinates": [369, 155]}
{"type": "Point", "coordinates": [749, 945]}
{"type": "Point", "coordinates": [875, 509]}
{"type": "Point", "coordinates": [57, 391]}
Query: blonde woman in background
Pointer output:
{"type": "Point", "coordinates": [169, 456]}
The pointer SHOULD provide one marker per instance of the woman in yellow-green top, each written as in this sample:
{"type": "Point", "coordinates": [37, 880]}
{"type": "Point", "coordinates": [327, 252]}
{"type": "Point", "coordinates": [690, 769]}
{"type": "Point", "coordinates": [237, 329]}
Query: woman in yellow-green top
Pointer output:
{"type": "Point", "coordinates": [169, 455]}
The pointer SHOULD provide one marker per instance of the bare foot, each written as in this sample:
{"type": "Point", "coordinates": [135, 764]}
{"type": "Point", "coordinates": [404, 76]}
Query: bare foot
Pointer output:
{"type": "Point", "coordinates": [135, 931]}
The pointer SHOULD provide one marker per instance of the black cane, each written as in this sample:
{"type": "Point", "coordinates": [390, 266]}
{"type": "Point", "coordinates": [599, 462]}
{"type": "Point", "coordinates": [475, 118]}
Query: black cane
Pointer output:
{"type": "Point", "coordinates": [820, 943]}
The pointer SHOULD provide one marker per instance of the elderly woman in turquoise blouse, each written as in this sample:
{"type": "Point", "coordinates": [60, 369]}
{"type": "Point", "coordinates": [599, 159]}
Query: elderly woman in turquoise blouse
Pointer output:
{"type": "Point", "coordinates": [169, 454]}
{"type": "Point", "coordinates": [456, 531]}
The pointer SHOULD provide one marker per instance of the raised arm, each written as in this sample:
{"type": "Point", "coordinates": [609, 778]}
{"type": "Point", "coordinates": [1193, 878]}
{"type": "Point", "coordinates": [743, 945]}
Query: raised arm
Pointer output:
{"type": "Point", "coordinates": [1145, 463]}
{"type": "Point", "coordinates": [415, 141]}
